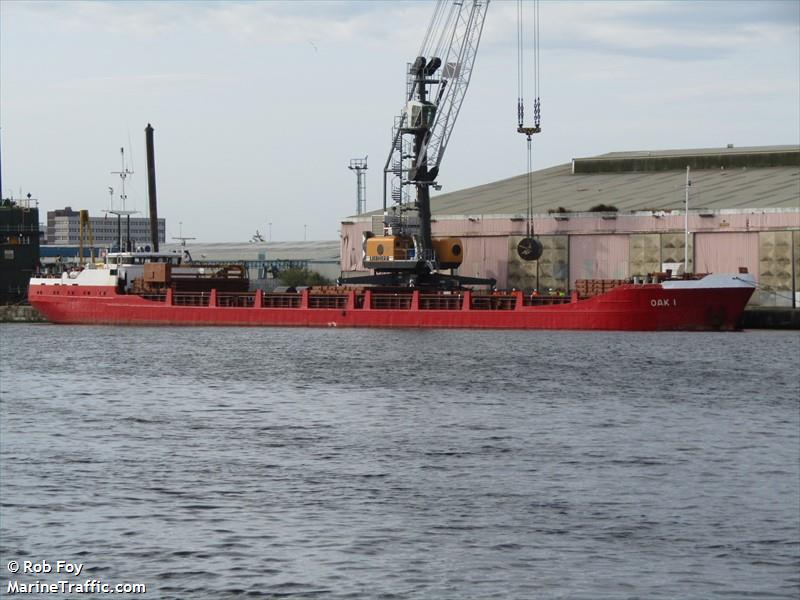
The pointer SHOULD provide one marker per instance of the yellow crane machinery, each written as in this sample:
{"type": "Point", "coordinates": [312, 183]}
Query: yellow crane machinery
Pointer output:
{"type": "Point", "coordinates": [400, 252]}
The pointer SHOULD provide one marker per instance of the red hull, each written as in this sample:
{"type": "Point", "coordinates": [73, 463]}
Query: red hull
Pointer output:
{"type": "Point", "coordinates": [628, 308]}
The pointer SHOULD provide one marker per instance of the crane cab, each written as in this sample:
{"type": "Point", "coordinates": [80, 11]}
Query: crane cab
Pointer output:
{"type": "Point", "coordinates": [420, 114]}
{"type": "Point", "coordinates": [389, 252]}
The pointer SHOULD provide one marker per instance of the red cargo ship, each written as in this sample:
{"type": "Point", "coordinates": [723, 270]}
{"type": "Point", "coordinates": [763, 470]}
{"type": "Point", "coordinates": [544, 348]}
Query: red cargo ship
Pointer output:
{"type": "Point", "coordinates": [155, 289]}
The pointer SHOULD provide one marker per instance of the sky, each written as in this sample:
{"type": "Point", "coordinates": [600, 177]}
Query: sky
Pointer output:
{"type": "Point", "coordinates": [258, 107]}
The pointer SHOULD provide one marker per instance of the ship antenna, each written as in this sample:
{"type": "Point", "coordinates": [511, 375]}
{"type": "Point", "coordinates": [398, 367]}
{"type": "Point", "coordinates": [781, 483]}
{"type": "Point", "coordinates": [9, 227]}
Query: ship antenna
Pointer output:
{"type": "Point", "coordinates": [182, 238]}
{"type": "Point", "coordinates": [123, 175]}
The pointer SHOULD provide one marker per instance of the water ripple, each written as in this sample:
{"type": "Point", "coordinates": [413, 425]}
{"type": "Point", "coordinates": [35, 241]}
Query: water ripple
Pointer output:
{"type": "Point", "coordinates": [277, 463]}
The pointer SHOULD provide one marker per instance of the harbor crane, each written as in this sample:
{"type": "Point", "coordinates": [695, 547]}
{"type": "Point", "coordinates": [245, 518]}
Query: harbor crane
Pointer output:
{"type": "Point", "coordinates": [405, 253]}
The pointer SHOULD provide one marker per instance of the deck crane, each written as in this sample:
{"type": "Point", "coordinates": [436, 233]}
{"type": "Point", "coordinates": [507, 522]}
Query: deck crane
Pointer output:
{"type": "Point", "coordinates": [405, 253]}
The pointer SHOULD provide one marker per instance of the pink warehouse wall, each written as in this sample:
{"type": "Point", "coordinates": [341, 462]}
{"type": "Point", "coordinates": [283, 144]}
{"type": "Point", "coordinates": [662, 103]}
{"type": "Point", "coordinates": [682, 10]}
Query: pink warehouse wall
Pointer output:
{"type": "Point", "coordinates": [598, 257]}
{"type": "Point", "coordinates": [726, 252]}
{"type": "Point", "coordinates": [598, 247]}
{"type": "Point", "coordinates": [485, 257]}
{"type": "Point", "coordinates": [350, 256]}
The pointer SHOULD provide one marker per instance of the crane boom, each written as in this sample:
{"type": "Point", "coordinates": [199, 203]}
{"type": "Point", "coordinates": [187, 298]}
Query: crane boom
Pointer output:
{"type": "Point", "coordinates": [456, 74]}
{"type": "Point", "coordinates": [437, 82]}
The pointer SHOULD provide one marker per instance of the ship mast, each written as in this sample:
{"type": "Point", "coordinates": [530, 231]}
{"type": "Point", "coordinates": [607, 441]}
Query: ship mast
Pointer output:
{"type": "Point", "coordinates": [123, 175]}
{"type": "Point", "coordinates": [686, 225]}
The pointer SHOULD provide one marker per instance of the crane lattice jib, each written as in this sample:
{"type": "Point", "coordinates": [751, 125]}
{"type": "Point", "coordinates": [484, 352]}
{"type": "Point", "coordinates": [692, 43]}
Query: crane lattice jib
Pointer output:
{"type": "Point", "coordinates": [465, 24]}
{"type": "Point", "coordinates": [453, 34]}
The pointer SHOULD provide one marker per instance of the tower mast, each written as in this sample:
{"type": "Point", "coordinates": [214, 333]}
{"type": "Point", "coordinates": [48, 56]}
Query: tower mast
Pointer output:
{"type": "Point", "coordinates": [359, 165]}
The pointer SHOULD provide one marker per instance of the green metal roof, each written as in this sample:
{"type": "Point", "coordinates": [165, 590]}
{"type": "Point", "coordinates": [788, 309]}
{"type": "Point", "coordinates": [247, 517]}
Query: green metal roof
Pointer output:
{"type": "Point", "coordinates": [730, 178]}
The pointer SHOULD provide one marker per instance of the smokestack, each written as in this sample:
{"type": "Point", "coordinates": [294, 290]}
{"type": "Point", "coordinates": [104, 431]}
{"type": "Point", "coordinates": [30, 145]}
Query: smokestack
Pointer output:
{"type": "Point", "coordinates": [151, 186]}
{"type": "Point", "coordinates": [1, 178]}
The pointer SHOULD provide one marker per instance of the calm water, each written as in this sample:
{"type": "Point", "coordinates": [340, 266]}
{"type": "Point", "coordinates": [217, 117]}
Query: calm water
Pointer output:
{"type": "Point", "coordinates": [218, 463]}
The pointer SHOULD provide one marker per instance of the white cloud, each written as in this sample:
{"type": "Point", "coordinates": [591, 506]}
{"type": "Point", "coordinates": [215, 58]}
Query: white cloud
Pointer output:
{"type": "Point", "coordinates": [248, 111]}
{"type": "Point", "coordinates": [275, 23]}
{"type": "Point", "coordinates": [124, 18]}
{"type": "Point", "coordinates": [674, 30]}
{"type": "Point", "coordinates": [684, 31]}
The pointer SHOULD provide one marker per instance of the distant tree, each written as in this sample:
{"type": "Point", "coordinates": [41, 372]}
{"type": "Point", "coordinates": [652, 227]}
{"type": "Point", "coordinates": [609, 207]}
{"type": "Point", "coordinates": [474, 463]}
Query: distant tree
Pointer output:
{"type": "Point", "coordinates": [603, 208]}
{"type": "Point", "coordinates": [301, 277]}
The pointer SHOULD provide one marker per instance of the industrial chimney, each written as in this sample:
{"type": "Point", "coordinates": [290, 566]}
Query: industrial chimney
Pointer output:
{"type": "Point", "coordinates": [151, 186]}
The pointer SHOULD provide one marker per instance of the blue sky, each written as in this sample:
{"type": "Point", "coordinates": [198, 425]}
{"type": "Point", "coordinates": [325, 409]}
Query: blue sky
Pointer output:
{"type": "Point", "coordinates": [259, 106]}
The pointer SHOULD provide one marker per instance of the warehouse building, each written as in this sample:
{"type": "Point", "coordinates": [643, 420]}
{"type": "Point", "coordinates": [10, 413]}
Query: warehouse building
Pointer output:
{"type": "Point", "coordinates": [622, 215]}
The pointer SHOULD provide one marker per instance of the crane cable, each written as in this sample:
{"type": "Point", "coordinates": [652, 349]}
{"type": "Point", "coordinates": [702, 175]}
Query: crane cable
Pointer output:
{"type": "Point", "coordinates": [521, 70]}
{"type": "Point", "coordinates": [520, 81]}
{"type": "Point", "coordinates": [521, 128]}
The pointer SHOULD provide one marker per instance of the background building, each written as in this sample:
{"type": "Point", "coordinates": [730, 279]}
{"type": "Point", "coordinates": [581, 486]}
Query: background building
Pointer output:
{"type": "Point", "coordinates": [261, 257]}
{"type": "Point", "coordinates": [63, 229]}
{"type": "Point", "coordinates": [19, 248]}
{"type": "Point", "coordinates": [744, 212]}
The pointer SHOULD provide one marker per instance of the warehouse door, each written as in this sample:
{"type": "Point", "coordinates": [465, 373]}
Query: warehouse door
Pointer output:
{"type": "Point", "coordinates": [598, 257]}
{"type": "Point", "coordinates": [485, 257]}
{"type": "Point", "coordinates": [726, 252]}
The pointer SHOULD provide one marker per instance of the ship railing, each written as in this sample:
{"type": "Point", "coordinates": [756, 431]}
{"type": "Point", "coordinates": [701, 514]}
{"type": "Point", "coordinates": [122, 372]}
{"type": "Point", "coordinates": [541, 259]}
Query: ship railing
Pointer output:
{"type": "Point", "coordinates": [327, 301]}
{"type": "Point", "coordinates": [532, 300]}
{"type": "Point", "coordinates": [391, 301]}
{"type": "Point", "coordinates": [281, 300]}
{"type": "Point", "coordinates": [154, 296]}
{"type": "Point", "coordinates": [191, 298]}
{"type": "Point", "coordinates": [379, 301]}
{"type": "Point", "coordinates": [236, 299]}
{"type": "Point", "coordinates": [440, 302]}
{"type": "Point", "coordinates": [494, 302]}
{"type": "Point", "coordinates": [587, 288]}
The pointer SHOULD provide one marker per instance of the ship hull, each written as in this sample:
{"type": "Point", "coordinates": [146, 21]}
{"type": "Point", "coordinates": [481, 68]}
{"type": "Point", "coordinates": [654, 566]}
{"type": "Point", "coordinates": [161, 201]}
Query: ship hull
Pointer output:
{"type": "Point", "coordinates": [626, 308]}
